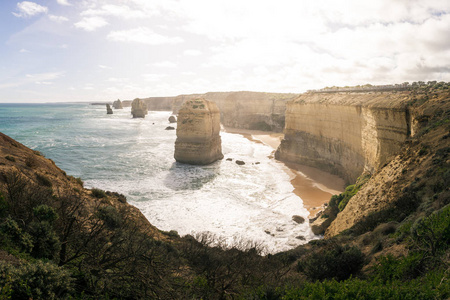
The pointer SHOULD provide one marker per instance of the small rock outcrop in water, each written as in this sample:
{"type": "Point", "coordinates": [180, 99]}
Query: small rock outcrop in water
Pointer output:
{"type": "Point", "coordinates": [172, 119]}
{"type": "Point", "coordinates": [240, 162]}
{"type": "Point", "coordinates": [170, 128]}
{"type": "Point", "coordinates": [138, 108]}
{"type": "Point", "coordinates": [298, 219]}
{"type": "Point", "coordinates": [109, 110]}
{"type": "Point", "coordinates": [198, 127]}
{"type": "Point", "coordinates": [117, 104]}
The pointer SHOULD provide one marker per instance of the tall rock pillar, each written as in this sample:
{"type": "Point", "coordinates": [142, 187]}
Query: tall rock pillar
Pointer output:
{"type": "Point", "coordinates": [138, 108]}
{"type": "Point", "coordinates": [198, 127]}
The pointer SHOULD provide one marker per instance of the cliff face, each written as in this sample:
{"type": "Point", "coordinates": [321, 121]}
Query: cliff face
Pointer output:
{"type": "Point", "coordinates": [247, 110]}
{"type": "Point", "coordinates": [416, 180]}
{"type": "Point", "coordinates": [198, 127]}
{"type": "Point", "coordinates": [345, 133]}
{"type": "Point", "coordinates": [159, 103]}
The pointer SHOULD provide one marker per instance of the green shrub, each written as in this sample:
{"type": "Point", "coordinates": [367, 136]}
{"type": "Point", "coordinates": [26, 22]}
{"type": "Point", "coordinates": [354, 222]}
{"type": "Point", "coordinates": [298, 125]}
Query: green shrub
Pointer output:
{"type": "Point", "coordinates": [390, 268]}
{"type": "Point", "coordinates": [31, 161]}
{"type": "Point", "coordinates": [79, 181]}
{"type": "Point", "coordinates": [339, 262]}
{"type": "Point", "coordinates": [341, 200]}
{"type": "Point", "coordinates": [46, 243]}
{"type": "Point", "coordinates": [98, 193]}
{"type": "Point", "coordinates": [45, 213]}
{"type": "Point", "coordinates": [37, 280]}
{"type": "Point", "coordinates": [10, 158]}
{"type": "Point", "coordinates": [18, 237]}
{"type": "Point", "coordinates": [432, 233]}
{"type": "Point", "coordinates": [110, 216]}
{"type": "Point", "coordinates": [43, 180]}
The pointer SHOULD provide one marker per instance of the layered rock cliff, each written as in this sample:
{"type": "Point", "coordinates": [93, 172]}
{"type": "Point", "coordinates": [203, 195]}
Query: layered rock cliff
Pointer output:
{"type": "Point", "coordinates": [138, 108]}
{"type": "Point", "coordinates": [247, 110]}
{"type": "Point", "coordinates": [345, 133]}
{"type": "Point", "coordinates": [416, 181]}
{"type": "Point", "coordinates": [198, 127]}
{"type": "Point", "coordinates": [400, 138]}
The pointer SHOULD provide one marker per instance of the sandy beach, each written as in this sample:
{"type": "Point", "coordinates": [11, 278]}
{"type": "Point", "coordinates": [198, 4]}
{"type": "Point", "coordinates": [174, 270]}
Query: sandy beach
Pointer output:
{"type": "Point", "coordinates": [313, 186]}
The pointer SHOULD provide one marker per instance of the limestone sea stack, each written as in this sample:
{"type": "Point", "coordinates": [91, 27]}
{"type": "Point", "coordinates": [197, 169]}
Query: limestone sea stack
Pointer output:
{"type": "Point", "coordinates": [138, 108]}
{"type": "Point", "coordinates": [109, 110]}
{"type": "Point", "coordinates": [117, 104]}
{"type": "Point", "coordinates": [198, 127]}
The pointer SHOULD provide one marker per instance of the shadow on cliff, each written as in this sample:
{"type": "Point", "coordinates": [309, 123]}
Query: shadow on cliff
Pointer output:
{"type": "Point", "coordinates": [191, 177]}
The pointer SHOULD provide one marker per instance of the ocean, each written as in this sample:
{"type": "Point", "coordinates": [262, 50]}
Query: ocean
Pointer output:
{"type": "Point", "coordinates": [253, 202]}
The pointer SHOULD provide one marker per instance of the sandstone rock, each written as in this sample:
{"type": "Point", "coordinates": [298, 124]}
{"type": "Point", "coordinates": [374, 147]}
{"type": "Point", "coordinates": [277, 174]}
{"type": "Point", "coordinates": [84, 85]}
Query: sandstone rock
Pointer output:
{"type": "Point", "coordinates": [109, 110]}
{"type": "Point", "coordinates": [198, 127]}
{"type": "Point", "coordinates": [172, 119]}
{"type": "Point", "coordinates": [138, 108]}
{"type": "Point", "coordinates": [240, 162]}
{"type": "Point", "coordinates": [117, 104]}
{"type": "Point", "coordinates": [248, 110]}
{"type": "Point", "coordinates": [170, 128]}
{"type": "Point", "coordinates": [344, 133]}
{"type": "Point", "coordinates": [229, 159]}
{"type": "Point", "coordinates": [320, 225]}
{"type": "Point", "coordinates": [298, 219]}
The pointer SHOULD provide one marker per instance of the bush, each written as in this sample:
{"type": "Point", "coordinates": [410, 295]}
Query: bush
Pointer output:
{"type": "Point", "coordinates": [335, 261]}
{"type": "Point", "coordinates": [43, 180]}
{"type": "Point", "coordinates": [110, 216]}
{"type": "Point", "coordinates": [390, 268]}
{"type": "Point", "coordinates": [31, 161]}
{"type": "Point", "coordinates": [45, 213]}
{"type": "Point", "coordinates": [98, 193]}
{"type": "Point", "coordinates": [10, 158]}
{"type": "Point", "coordinates": [17, 236]}
{"type": "Point", "coordinates": [36, 280]}
{"type": "Point", "coordinates": [432, 234]}
{"type": "Point", "coordinates": [45, 240]}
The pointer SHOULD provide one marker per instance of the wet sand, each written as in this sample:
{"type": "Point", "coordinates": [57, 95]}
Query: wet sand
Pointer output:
{"type": "Point", "coordinates": [315, 187]}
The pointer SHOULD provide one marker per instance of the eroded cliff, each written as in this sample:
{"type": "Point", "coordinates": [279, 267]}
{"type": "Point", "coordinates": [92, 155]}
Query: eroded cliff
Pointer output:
{"type": "Point", "coordinates": [246, 110]}
{"type": "Point", "coordinates": [198, 127]}
{"type": "Point", "coordinates": [400, 138]}
{"type": "Point", "coordinates": [345, 133]}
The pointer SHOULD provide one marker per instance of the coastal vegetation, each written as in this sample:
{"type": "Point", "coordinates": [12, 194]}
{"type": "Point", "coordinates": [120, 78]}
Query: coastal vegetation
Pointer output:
{"type": "Point", "coordinates": [59, 240]}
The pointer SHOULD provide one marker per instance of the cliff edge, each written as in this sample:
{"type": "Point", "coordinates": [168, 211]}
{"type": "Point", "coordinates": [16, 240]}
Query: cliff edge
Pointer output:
{"type": "Point", "coordinates": [345, 133]}
{"type": "Point", "coordinates": [198, 127]}
{"type": "Point", "coordinates": [398, 138]}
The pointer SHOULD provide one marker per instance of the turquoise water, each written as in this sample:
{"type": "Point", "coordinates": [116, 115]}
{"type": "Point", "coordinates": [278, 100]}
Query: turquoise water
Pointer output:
{"type": "Point", "coordinates": [135, 157]}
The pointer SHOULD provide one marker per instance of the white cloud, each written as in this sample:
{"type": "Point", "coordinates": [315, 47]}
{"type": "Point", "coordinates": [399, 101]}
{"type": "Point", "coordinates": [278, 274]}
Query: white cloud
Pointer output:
{"type": "Point", "coordinates": [29, 9]}
{"type": "Point", "coordinates": [104, 67]}
{"type": "Point", "coordinates": [142, 35]}
{"type": "Point", "coordinates": [153, 77]}
{"type": "Point", "coordinates": [91, 23]}
{"type": "Point", "coordinates": [121, 11]}
{"type": "Point", "coordinates": [165, 64]}
{"type": "Point", "coordinates": [192, 52]}
{"type": "Point", "coordinates": [58, 19]}
{"type": "Point", "coordinates": [23, 50]}
{"type": "Point", "coordinates": [64, 2]}
{"type": "Point", "coordinates": [44, 78]}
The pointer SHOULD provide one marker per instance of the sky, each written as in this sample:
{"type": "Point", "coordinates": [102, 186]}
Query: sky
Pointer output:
{"type": "Point", "coordinates": [103, 50]}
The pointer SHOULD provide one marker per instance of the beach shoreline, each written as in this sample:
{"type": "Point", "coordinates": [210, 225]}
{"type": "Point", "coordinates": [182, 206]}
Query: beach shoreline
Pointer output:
{"type": "Point", "coordinates": [315, 187]}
